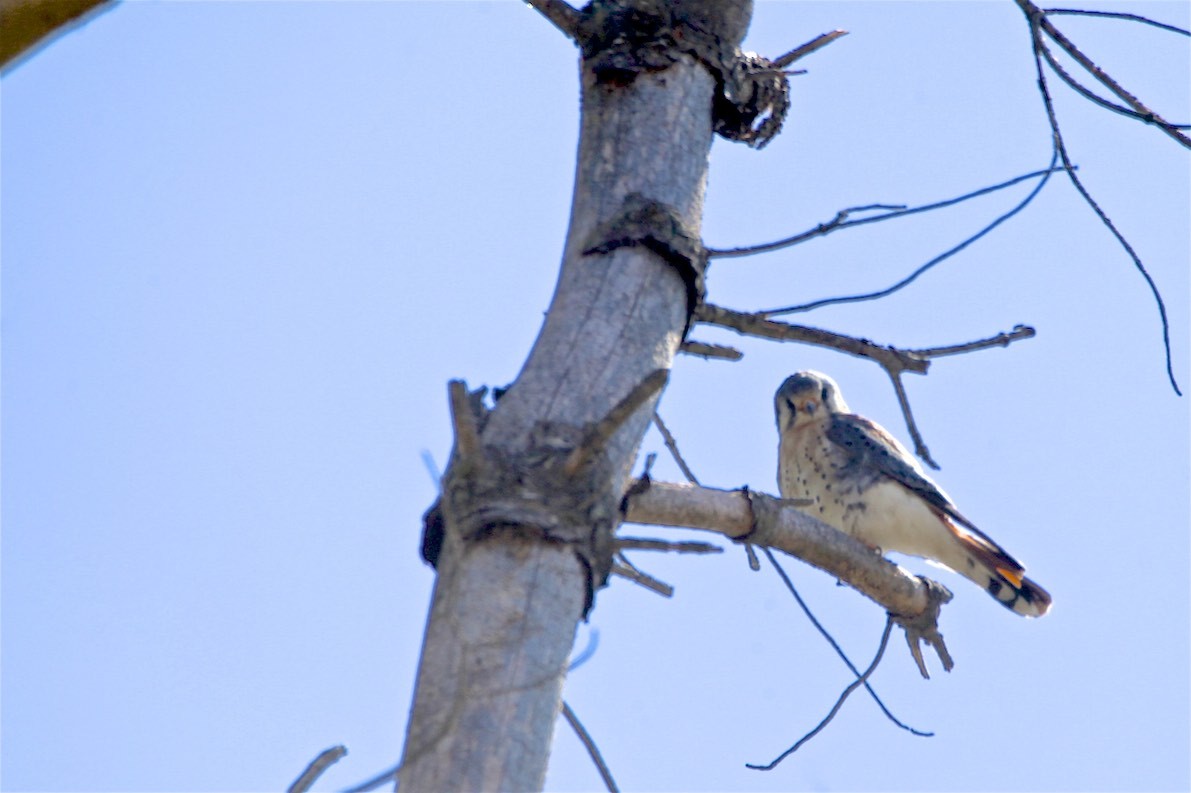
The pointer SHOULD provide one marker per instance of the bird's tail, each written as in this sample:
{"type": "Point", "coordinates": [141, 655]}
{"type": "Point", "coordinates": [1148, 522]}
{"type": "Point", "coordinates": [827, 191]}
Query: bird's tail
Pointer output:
{"type": "Point", "coordinates": [1001, 576]}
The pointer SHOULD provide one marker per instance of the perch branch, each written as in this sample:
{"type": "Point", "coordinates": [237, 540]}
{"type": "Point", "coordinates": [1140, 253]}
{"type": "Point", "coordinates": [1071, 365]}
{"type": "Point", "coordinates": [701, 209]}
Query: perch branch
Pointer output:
{"type": "Point", "coordinates": [732, 514]}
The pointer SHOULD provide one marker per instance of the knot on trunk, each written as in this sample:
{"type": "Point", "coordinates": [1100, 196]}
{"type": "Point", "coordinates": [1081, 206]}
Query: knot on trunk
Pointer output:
{"type": "Point", "coordinates": [621, 40]}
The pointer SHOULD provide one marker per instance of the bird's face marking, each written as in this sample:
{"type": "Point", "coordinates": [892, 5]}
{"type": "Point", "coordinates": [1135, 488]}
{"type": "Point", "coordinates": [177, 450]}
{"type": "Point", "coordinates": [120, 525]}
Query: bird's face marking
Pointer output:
{"type": "Point", "coordinates": [805, 397]}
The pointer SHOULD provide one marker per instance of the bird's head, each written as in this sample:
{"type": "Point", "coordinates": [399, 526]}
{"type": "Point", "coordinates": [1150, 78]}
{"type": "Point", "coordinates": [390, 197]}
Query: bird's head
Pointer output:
{"type": "Point", "coordinates": [805, 397]}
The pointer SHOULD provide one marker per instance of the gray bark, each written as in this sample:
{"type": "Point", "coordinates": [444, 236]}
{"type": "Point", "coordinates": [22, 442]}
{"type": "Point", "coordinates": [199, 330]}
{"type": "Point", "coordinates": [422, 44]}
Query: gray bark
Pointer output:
{"type": "Point", "coordinates": [505, 606]}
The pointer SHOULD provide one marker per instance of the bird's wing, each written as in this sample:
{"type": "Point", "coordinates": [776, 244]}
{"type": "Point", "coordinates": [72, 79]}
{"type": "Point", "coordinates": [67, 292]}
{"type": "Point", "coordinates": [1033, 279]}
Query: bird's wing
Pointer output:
{"type": "Point", "coordinates": [867, 447]}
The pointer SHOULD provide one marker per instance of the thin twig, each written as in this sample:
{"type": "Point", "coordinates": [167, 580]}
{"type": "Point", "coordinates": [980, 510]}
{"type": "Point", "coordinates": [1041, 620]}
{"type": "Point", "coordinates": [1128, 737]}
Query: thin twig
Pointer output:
{"type": "Point", "coordinates": [640, 578]}
{"type": "Point", "coordinates": [1060, 149]}
{"type": "Point", "coordinates": [679, 546]}
{"type": "Point", "coordinates": [668, 439]}
{"type": "Point", "coordinates": [592, 750]}
{"type": "Point", "coordinates": [839, 703]}
{"type": "Point", "coordinates": [835, 646]}
{"type": "Point", "coordinates": [1038, 21]}
{"type": "Point", "coordinates": [750, 554]}
{"type": "Point", "coordinates": [376, 781]}
{"type": "Point", "coordinates": [326, 758]}
{"type": "Point", "coordinates": [597, 437]}
{"type": "Point", "coordinates": [707, 350]}
{"type": "Point", "coordinates": [1018, 333]}
{"type": "Point", "coordinates": [562, 15]}
{"type": "Point", "coordinates": [909, 279]}
{"type": "Point", "coordinates": [817, 43]}
{"type": "Point", "coordinates": [1116, 15]}
{"type": "Point", "coordinates": [1086, 93]}
{"type": "Point", "coordinates": [841, 221]}
{"type": "Point", "coordinates": [904, 401]}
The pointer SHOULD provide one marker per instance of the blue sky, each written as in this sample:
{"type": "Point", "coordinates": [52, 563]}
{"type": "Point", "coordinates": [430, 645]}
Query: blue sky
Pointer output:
{"type": "Point", "coordinates": [245, 245]}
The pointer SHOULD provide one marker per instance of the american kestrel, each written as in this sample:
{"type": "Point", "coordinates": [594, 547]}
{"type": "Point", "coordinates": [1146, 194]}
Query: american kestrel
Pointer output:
{"type": "Point", "coordinates": [861, 481]}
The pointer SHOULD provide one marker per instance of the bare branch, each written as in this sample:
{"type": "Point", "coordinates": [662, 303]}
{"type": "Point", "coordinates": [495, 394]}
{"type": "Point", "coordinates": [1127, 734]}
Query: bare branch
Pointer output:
{"type": "Point", "coordinates": [835, 645]}
{"type": "Point", "coordinates": [841, 219]}
{"type": "Point", "coordinates": [1086, 93]}
{"type": "Point", "coordinates": [756, 325]}
{"type": "Point", "coordinates": [642, 579]}
{"type": "Point", "coordinates": [326, 758]}
{"type": "Point", "coordinates": [376, 781]}
{"type": "Point", "coordinates": [1018, 333]}
{"type": "Point", "coordinates": [589, 744]}
{"type": "Point", "coordinates": [1115, 15]}
{"type": "Point", "coordinates": [925, 628]}
{"type": "Point", "coordinates": [673, 447]}
{"type": "Point", "coordinates": [839, 703]}
{"type": "Point", "coordinates": [817, 43]}
{"type": "Point", "coordinates": [682, 546]}
{"type": "Point", "coordinates": [765, 520]}
{"type": "Point", "coordinates": [1038, 21]}
{"type": "Point", "coordinates": [904, 402]}
{"type": "Point", "coordinates": [706, 350]}
{"type": "Point", "coordinates": [562, 15]}
{"type": "Point", "coordinates": [597, 437]}
{"type": "Point", "coordinates": [893, 360]}
{"type": "Point", "coordinates": [923, 268]}
{"type": "Point", "coordinates": [467, 431]}
{"type": "Point", "coordinates": [1060, 150]}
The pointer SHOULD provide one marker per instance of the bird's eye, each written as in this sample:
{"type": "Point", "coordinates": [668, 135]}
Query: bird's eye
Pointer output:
{"type": "Point", "coordinates": [823, 394]}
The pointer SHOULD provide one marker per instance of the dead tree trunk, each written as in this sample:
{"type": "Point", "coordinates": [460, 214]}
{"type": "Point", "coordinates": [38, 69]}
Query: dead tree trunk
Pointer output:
{"type": "Point", "coordinates": [532, 494]}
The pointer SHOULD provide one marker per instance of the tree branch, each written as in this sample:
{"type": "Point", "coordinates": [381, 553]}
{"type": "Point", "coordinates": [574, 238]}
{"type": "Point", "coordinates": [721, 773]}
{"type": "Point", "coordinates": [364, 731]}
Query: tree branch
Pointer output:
{"type": "Point", "coordinates": [766, 520]}
{"type": "Point", "coordinates": [325, 759]}
{"type": "Point", "coordinates": [756, 325]}
{"type": "Point", "coordinates": [562, 15]}
{"type": "Point", "coordinates": [707, 350]}
{"type": "Point", "coordinates": [1032, 13]}
{"type": "Point", "coordinates": [1116, 15]}
{"type": "Point", "coordinates": [589, 744]}
{"type": "Point", "coordinates": [893, 360]}
{"type": "Point", "coordinates": [815, 44]}
{"type": "Point", "coordinates": [835, 646]}
{"type": "Point", "coordinates": [947, 254]}
{"type": "Point", "coordinates": [842, 221]}
{"type": "Point", "coordinates": [839, 703]}
{"type": "Point", "coordinates": [1038, 20]}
